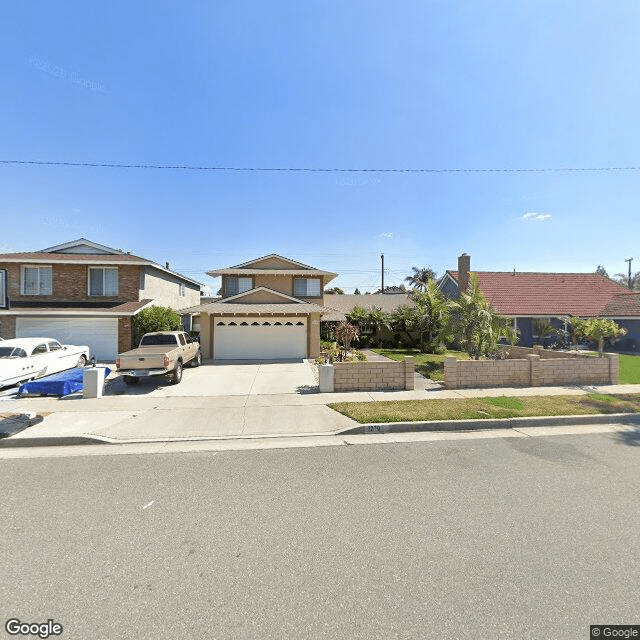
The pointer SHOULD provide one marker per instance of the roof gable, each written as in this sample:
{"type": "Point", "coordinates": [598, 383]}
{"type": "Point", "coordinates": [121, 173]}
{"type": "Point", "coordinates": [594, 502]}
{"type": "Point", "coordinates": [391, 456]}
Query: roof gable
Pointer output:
{"type": "Point", "coordinates": [261, 295]}
{"type": "Point", "coordinates": [272, 261]}
{"type": "Point", "coordinates": [83, 246]}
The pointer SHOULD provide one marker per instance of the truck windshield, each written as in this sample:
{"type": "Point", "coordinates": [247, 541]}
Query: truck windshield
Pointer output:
{"type": "Point", "coordinates": [158, 339]}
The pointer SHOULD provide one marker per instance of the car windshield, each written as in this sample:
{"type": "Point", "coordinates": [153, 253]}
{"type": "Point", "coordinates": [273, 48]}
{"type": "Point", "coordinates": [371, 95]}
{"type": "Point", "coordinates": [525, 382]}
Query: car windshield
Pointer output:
{"type": "Point", "coordinates": [12, 352]}
{"type": "Point", "coordinates": [158, 339]}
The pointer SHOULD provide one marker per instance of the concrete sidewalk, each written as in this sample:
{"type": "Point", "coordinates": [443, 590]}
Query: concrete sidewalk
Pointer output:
{"type": "Point", "coordinates": [152, 419]}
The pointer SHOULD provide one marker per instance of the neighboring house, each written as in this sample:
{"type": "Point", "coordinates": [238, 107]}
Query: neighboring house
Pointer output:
{"type": "Point", "coordinates": [85, 293]}
{"type": "Point", "coordinates": [527, 297]}
{"type": "Point", "coordinates": [338, 306]}
{"type": "Point", "coordinates": [270, 309]}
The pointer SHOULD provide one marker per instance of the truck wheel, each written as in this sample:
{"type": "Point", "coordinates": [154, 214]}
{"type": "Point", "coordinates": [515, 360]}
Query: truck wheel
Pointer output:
{"type": "Point", "coordinates": [131, 380]}
{"type": "Point", "coordinates": [176, 376]}
{"type": "Point", "coordinates": [197, 361]}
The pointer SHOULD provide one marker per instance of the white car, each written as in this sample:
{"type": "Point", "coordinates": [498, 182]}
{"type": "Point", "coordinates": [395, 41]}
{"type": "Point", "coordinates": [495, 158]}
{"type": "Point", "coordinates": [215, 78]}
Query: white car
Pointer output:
{"type": "Point", "coordinates": [28, 358]}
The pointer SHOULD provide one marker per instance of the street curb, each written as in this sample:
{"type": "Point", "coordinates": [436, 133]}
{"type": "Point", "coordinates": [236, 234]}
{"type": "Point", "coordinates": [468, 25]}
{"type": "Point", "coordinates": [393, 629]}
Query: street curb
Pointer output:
{"type": "Point", "coordinates": [502, 423]}
{"type": "Point", "coordinates": [388, 427]}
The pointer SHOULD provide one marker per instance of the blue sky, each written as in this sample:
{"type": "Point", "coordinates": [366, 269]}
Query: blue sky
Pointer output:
{"type": "Point", "coordinates": [361, 84]}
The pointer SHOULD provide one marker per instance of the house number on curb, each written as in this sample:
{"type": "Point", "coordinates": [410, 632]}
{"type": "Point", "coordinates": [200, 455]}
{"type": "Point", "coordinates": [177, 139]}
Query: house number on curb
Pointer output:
{"type": "Point", "coordinates": [375, 428]}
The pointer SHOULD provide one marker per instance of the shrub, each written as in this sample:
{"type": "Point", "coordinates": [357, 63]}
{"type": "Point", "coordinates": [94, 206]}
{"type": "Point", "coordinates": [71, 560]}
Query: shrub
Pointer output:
{"type": "Point", "coordinates": [154, 319]}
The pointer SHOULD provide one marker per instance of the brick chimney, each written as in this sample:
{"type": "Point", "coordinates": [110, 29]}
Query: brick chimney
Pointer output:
{"type": "Point", "coordinates": [464, 266]}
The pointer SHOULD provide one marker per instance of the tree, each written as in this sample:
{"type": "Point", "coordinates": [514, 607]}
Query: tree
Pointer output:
{"type": "Point", "coordinates": [601, 271]}
{"type": "Point", "coordinates": [429, 317]}
{"type": "Point", "coordinates": [623, 279]}
{"type": "Point", "coordinates": [337, 290]}
{"type": "Point", "coordinates": [543, 329]}
{"type": "Point", "coordinates": [346, 333]}
{"type": "Point", "coordinates": [420, 277]}
{"type": "Point", "coordinates": [356, 292]}
{"type": "Point", "coordinates": [477, 325]}
{"type": "Point", "coordinates": [598, 330]}
{"type": "Point", "coordinates": [154, 319]}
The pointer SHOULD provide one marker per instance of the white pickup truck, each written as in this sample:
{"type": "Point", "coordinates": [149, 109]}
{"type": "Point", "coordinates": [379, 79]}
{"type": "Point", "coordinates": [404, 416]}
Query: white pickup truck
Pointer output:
{"type": "Point", "coordinates": [162, 353]}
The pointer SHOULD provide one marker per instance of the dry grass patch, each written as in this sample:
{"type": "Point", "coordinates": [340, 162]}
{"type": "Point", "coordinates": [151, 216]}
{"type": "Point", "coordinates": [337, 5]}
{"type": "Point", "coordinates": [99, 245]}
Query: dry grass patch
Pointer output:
{"type": "Point", "coordinates": [486, 408]}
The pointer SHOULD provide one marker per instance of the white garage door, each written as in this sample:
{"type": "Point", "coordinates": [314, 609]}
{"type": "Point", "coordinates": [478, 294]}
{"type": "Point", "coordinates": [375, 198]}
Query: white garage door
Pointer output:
{"type": "Point", "coordinates": [99, 334]}
{"type": "Point", "coordinates": [259, 338]}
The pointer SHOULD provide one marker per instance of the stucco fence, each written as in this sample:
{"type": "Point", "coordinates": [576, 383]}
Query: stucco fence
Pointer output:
{"type": "Point", "coordinates": [367, 376]}
{"type": "Point", "coordinates": [536, 367]}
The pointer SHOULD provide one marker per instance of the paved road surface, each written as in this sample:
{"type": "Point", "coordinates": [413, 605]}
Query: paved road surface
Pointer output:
{"type": "Point", "coordinates": [497, 538]}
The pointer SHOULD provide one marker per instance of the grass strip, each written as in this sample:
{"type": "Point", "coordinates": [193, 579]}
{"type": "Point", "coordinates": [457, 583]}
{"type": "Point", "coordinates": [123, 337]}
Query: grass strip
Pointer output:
{"type": "Point", "coordinates": [487, 408]}
{"type": "Point", "coordinates": [629, 369]}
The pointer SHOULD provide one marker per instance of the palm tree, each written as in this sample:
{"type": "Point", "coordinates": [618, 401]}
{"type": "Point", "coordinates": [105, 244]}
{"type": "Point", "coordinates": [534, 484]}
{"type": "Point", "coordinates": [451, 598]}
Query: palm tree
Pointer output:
{"type": "Point", "coordinates": [420, 277]}
{"type": "Point", "coordinates": [623, 279]}
{"type": "Point", "coordinates": [543, 329]}
{"type": "Point", "coordinates": [477, 325]}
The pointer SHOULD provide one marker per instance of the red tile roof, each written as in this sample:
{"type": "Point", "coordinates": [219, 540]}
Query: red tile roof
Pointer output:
{"type": "Point", "coordinates": [547, 294]}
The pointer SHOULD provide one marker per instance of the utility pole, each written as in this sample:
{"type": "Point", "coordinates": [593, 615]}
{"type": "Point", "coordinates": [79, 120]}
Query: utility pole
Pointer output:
{"type": "Point", "coordinates": [382, 288]}
{"type": "Point", "coordinates": [629, 260]}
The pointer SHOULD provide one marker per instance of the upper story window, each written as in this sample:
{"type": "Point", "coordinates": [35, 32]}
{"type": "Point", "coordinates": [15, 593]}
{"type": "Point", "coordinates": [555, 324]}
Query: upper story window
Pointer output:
{"type": "Point", "coordinates": [306, 287]}
{"type": "Point", "coordinates": [3, 288]}
{"type": "Point", "coordinates": [37, 281]}
{"type": "Point", "coordinates": [235, 285]}
{"type": "Point", "coordinates": [183, 291]}
{"type": "Point", "coordinates": [103, 281]}
{"type": "Point", "coordinates": [142, 279]}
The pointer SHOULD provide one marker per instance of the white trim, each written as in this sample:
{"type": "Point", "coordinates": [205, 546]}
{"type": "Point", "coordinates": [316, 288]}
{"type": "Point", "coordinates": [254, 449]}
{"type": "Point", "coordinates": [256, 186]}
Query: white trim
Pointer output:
{"type": "Point", "coordinates": [446, 275]}
{"type": "Point", "coordinates": [102, 295]}
{"type": "Point", "coordinates": [272, 255]}
{"type": "Point", "coordinates": [79, 242]}
{"type": "Point", "coordinates": [29, 266]}
{"type": "Point", "coordinates": [246, 293]}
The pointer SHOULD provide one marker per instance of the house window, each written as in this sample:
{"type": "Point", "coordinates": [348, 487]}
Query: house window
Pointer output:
{"type": "Point", "coordinates": [235, 285]}
{"type": "Point", "coordinates": [103, 281]}
{"type": "Point", "coordinates": [183, 291]}
{"type": "Point", "coordinates": [306, 287]}
{"type": "Point", "coordinates": [3, 288]}
{"type": "Point", "coordinates": [37, 281]}
{"type": "Point", "coordinates": [142, 279]}
{"type": "Point", "coordinates": [536, 324]}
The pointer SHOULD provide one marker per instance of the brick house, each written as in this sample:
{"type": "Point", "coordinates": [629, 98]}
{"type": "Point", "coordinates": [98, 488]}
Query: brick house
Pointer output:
{"type": "Point", "coordinates": [270, 309]}
{"type": "Point", "coordinates": [527, 297]}
{"type": "Point", "coordinates": [85, 293]}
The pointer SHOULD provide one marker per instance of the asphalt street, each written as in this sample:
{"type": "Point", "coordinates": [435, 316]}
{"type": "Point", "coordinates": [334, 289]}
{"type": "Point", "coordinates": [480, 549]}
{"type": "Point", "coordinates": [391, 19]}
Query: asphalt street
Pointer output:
{"type": "Point", "coordinates": [485, 538]}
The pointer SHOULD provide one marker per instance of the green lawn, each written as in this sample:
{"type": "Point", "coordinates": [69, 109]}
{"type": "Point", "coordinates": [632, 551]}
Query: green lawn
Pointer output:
{"type": "Point", "coordinates": [486, 408]}
{"type": "Point", "coordinates": [427, 364]}
{"type": "Point", "coordinates": [629, 369]}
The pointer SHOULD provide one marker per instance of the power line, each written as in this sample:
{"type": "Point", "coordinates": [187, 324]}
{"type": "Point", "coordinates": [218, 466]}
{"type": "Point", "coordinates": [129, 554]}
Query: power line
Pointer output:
{"type": "Point", "coordinates": [312, 169]}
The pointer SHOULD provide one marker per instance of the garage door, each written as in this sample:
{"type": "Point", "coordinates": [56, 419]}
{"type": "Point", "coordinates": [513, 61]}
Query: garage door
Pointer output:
{"type": "Point", "coordinates": [99, 334]}
{"type": "Point", "coordinates": [259, 338]}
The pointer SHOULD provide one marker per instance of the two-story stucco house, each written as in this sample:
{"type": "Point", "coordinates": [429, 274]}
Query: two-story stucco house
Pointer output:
{"type": "Point", "coordinates": [85, 293]}
{"type": "Point", "coordinates": [270, 309]}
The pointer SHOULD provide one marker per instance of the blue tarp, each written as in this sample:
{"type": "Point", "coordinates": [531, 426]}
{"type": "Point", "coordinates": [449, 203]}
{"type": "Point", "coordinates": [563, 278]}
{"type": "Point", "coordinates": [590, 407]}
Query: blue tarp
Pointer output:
{"type": "Point", "coordinates": [59, 384]}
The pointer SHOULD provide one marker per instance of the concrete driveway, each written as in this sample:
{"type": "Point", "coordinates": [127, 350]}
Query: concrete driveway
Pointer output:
{"type": "Point", "coordinates": [231, 378]}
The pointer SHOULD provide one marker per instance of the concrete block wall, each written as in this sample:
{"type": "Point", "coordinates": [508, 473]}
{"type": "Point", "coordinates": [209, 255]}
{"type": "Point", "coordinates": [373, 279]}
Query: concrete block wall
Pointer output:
{"type": "Point", "coordinates": [476, 374]}
{"type": "Point", "coordinates": [7, 327]}
{"type": "Point", "coordinates": [373, 376]}
{"type": "Point", "coordinates": [532, 371]}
